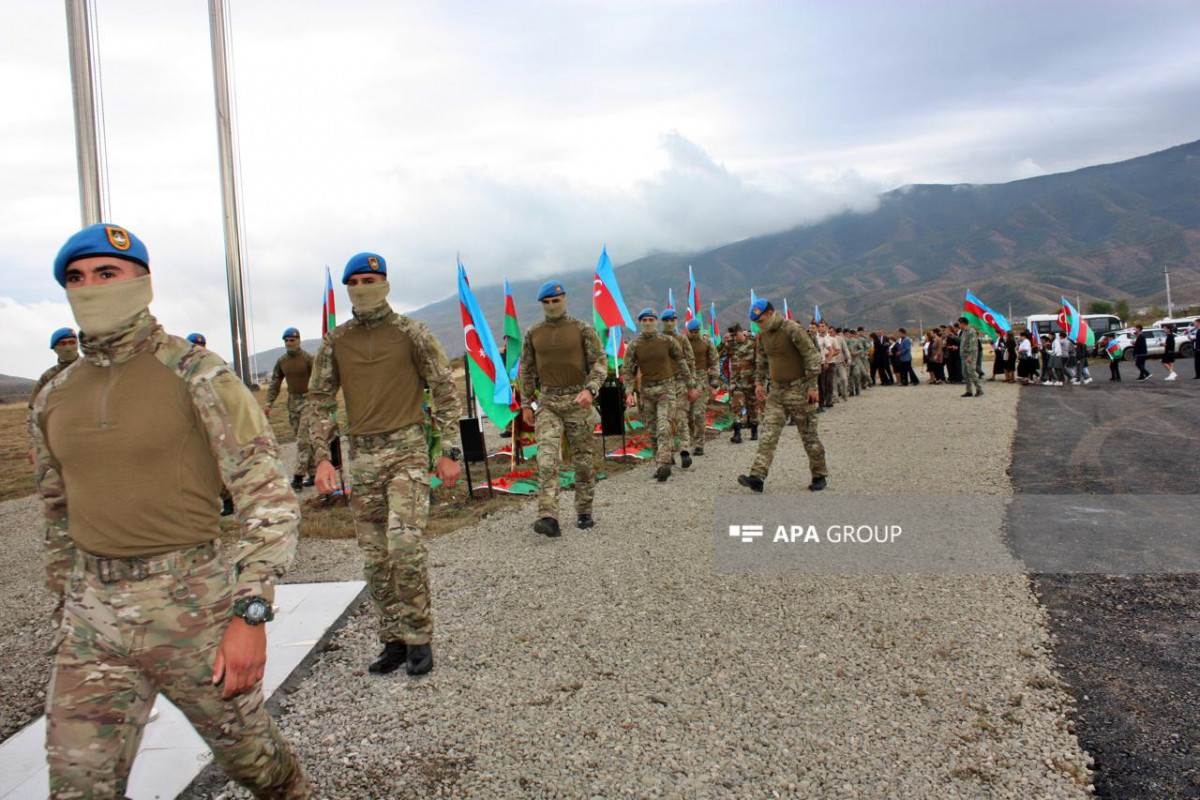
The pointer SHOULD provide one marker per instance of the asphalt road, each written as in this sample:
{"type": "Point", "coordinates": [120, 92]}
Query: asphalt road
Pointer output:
{"type": "Point", "coordinates": [1128, 644]}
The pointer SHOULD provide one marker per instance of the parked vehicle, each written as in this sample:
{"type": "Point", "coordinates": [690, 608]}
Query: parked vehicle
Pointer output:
{"type": "Point", "coordinates": [1051, 324]}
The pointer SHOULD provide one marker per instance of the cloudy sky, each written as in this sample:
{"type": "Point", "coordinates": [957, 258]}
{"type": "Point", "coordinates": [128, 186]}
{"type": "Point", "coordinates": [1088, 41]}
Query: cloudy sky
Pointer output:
{"type": "Point", "coordinates": [525, 135]}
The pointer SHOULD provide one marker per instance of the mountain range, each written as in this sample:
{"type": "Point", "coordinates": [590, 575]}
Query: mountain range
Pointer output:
{"type": "Point", "coordinates": [1099, 233]}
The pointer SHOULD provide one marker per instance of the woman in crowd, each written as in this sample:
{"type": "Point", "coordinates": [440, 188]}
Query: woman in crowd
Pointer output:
{"type": "Point", "coordinates": [1027, 362]}
{"type": "Point", "coordinates": [1168, 358]}
{"type": "Point", "coordinates": [1010, 357]}
{"type": "Point", "coordinates": [950, 356]}
{"type": "Point", "coordinates": [934, 357]}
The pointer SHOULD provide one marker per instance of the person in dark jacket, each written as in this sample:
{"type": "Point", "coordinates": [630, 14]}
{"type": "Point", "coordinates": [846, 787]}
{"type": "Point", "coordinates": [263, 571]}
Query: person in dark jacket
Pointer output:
{"type": "Point", "coordinates": [1139, 353]}
{"type": "Point", "coordinates": [1168, 359]}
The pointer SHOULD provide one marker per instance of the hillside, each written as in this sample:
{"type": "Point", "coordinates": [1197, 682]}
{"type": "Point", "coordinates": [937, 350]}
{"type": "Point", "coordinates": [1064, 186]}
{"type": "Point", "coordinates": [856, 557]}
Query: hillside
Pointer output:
{"type": "Point", "coordinates": [1099, 233]}
{"type": "Point", "coordinates": [14, 389]}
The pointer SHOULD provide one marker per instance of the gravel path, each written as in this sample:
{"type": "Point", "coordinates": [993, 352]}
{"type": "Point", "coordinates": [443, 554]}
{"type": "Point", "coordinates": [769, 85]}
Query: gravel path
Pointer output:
{"type": "Point", "coordinates": [615, 662]}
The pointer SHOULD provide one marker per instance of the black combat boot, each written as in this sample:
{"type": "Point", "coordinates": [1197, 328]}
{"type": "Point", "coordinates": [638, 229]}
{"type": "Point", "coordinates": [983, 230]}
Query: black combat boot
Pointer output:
{"type": "Point", "coordinates": [754, 432]}
{"type": "Point", "coordinates": [548, 527]}
{"type": "Point", "coordinates": [662, 473]}
{"type": "Point", "coordinates": [698, 450]}
{"type": "Point", "coordinates": [737, 434]}
{"type": "Point", "coordinates": [751, 482]}
{"type": "Point", "coordinates": [297, 482]}
{"type": "Point", "coordinates": [420, 659]}
{"type": "Point", "coordinates": [226, 506]}
{"type": "Point", "coordinates": [967, 393]}
{"type": "Point", "coordinates": [394, 654]}
{"type": "Point", "coordinates": [584, 521]}
{"type": "Point", "coordinates": [818, 483]}
{"type": "Point", "coordinates": [311, 480]}
{"type": "Point", "coordinates": [685, 459]}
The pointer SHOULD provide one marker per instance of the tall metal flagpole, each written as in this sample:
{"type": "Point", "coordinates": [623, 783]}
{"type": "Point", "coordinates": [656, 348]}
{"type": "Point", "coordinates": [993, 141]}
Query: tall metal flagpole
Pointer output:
{"type": "Point", "coordinates": [83, 95]}
{"type": "Point", "coordinates": [229, 200]}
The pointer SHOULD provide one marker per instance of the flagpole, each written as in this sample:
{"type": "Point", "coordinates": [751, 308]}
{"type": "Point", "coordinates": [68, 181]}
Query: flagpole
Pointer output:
{"type": "Point", "coordinates": [83, 96]}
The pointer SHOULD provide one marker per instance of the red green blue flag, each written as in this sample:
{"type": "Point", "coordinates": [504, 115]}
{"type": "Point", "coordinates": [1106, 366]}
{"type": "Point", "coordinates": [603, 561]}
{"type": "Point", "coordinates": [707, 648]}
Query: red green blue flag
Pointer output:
{"type": "Point", "coordinates": [608, 306]}
{"type": "Point", "coordinates": [1075, 325]}
{"type": "Point", "coordinates": [328, 313]}
{"type": "Point", "coordinates": [985, 320]}
{"type": "Point", "coordinates": [787, 312]}
{"type": "Point", "coordinates": [753, 300]}
{"type": "Point", "coordinates": [693, 300]}
{"type": "Point", "coordinates": [512, 334]}
{"type": "Point", "coordinates": [713, 330]}
{"type": "Point", "coordinates": [493, 391]}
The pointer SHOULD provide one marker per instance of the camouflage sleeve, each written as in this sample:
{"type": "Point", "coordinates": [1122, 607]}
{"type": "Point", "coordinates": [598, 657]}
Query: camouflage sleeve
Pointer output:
{"type": "Point", "coordinates": [59, 554]}
{"type": "Point", "coordinates": [320, 413]}
{"type": "Point", "coordinates": [808, 352]}
{"type": "Point", "coordinates": [714, 361]}
{"type": "Point", "coordinates": [597, 359]}
{"type": "Point", "coordinates": [682, 362]}
{"type": "Point", "coordinates": [528, 370]}
{"type": "Point", "coordinates": [276, 382]}
{"type": "Point", "coordinates": [761, 365]}
{"type": "Point", "coordinates": [693, 376]}
{"type": "Point", "coordinates": [631, 363]}
{"type": "Point", "coordinates": [435, 369]}
{"type": "Point", "coordinates": [248, 458]}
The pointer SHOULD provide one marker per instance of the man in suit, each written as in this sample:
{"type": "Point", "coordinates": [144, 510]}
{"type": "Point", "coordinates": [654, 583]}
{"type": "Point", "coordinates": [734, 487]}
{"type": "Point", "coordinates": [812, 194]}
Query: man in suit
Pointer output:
{"type": "Point", "coordinates": [904, 354]}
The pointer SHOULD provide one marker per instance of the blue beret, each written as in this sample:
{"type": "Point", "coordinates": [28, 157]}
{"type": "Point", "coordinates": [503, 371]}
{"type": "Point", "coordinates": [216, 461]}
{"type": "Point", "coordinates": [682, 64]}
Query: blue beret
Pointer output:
{"type": "Point", "coordinates": [551, 289]}
{"type": "Point", "coordinates": [647, 312]}
{"type": "Point", "coordinates": [60, 334]}
{"type": "Point", "coordinates": [758, 307]}
{"type": "Point", "coordinates": [669, 313]}
{"type": "Point", "coordinates": [364, 262]}
{"type": "Point", "coordinates": [197, 338]}
{"type": "Point", "coordinates": [693, 325]}
{"type": "Point", "coordinates": [291, 332]}
{"type": "Point", "coordinates": [101, 239]}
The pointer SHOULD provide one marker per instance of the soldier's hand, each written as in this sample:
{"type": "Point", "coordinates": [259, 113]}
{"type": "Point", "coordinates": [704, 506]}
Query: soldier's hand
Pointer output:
{"type": "Point", "coordinates": [630, 400]}
{"type": "Point", "coordinates": [527, 417]}
{"type": "Point", "coordinates": [448, 470]}
{"type": "Point", "coordinates": [814, 396]}
{"type": "Point", "coordinates": [241, 657]}
{"type": "Point", "coordinates": [267, 411]}
{"type": "Point", "coordinates": [31, 455]}
{"type": "Point", "coordinates": [714, 392]}
{"type": "Point", "coordinates": [326, 478]}
{"type": "Point", "coordinates": [583, 399]}
{"type": "Point", "coordinates": [692, 394]}
{"type": "Point", "coordinates": [760, 393]}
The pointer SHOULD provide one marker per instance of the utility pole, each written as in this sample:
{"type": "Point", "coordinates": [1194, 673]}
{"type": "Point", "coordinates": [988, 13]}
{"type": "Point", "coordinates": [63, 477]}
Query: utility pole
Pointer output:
{"type": "Point", "coordinates": [1167, 278]}
{"type": "Point", "coordinates": [229, 199]}
{"type": "Point", "coordinates": [83, 96]}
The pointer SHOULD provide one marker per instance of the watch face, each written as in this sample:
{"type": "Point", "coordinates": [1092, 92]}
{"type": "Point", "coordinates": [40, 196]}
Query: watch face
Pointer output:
{"type": "Point", "coordinates": [256, 611]}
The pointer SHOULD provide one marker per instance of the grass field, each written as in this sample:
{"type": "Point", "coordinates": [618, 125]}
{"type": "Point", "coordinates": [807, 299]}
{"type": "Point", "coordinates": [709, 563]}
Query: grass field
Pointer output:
{"type": "Point", "coordinates": [16, 473]}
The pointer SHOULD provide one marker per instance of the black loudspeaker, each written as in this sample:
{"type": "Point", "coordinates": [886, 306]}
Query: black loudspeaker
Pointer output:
{"type": "Point", "coordinates": [612, 409]}
{"type": "Point", "coordinates": [472, 439]}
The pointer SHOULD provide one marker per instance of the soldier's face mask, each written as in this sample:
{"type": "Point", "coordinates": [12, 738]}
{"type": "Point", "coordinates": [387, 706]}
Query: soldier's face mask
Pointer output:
{"type": "Point", "coordinates": [669, 325]}
{"type": "Point", "coordinates": [772, 322]}
{"type": "Point", "coordinates": [555, 307]}
{"type": "Point", "coordinates": [647, 325]}
{"type": "Point", "coordinates": [292, 345]}
{"type": "Point", "coordinates": [104, 308]}
{"type": "Point", "coordinates": [67, 351]}
{"type": "Point", "coordinates": [368, 296]}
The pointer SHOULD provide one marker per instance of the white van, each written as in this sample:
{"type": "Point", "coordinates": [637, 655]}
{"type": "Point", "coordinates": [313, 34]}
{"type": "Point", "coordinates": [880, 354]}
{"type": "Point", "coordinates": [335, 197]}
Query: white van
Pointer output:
{"type": "Point", "coordinates": [1180, 324]}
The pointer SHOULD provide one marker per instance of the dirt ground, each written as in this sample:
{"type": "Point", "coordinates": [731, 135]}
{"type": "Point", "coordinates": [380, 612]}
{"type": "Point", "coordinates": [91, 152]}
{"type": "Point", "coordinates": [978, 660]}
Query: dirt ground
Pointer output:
{"type": "Point", "coordinates": [1128, 645]}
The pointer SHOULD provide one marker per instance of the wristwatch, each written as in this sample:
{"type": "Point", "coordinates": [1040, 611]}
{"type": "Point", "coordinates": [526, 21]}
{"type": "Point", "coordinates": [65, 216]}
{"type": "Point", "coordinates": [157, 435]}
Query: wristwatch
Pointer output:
{"type": "Point", "coordinates": [452, 453]}
{"type": "Point", "coordinates": [253, 610]}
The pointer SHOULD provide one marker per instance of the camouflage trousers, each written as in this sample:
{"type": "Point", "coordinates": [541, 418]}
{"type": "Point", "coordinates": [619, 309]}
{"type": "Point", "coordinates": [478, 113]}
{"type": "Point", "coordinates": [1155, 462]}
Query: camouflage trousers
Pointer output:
{"type": "Point", "coordinates": [126, 641]}
{"type": "Point", "coordinates": [783, 402]}
{"type": "Point", "coordinates": [698, 418]}
{"type": "Point", "coordinates": [842, 378]}
{"type": "Point", "coordinates": [681, 418]}
{"type": "Point", "coordinates": [390, 500]}
{"type": "Point", "coordinates": [970, 374]}
{"type": "Point", "coordinates": [656, 404]}
{"type": "Point", "coordinates": [860, 375]}
{"type": "Point", "coordinates": [741, 397]}
{"type": "Point", "coordinates": [559, 416]}
{"type": "Point", "coordinates": [306, 451]}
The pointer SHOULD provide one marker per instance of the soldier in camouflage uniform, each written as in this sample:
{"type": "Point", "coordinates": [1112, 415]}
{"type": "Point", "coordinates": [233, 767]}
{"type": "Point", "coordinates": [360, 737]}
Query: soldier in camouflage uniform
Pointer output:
{"type": "Point", "coordinates": [687, 389]}
{"type": "Point", "coordinates": [862, 358]}
{"type": "Point", "coordinates": [563, 360]}
{"type": "Point", "coordinates": [382, 362]}
{"type": "Point", "coordinates": [968, 348]}
{"type": "Point", "coordinates": [658, 358]}
{"type": "Point", "coordinates": [132, 443]}
{"type": "Point", "coordinates": [738, 349]}
{"type": "Point", "coordinates": [295, 366]}
{"type": "Point", "coordinates": [787, 355]}
{"type": "Point", "coordinates": [65, 345]}
{"type": "Point", "coordinates": [705, 361]}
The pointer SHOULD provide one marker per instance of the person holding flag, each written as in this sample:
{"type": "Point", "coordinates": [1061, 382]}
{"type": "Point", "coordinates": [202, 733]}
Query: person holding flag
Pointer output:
{"type": "Point", "coordinates": [563, 361]}
{"type": "Point", "coordinates": [382, 362]}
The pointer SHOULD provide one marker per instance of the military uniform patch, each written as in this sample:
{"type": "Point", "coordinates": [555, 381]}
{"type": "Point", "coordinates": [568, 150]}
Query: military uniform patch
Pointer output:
{"type": "Point", "coordinates": [373, 263]}
{"type": "Point", "coordinates": [118, 238]}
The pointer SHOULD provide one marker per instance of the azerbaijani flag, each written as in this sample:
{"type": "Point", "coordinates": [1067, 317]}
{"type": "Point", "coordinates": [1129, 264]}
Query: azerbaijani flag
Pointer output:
{"type": "Point", "coordinates": [787, 312]}
{"type": "Point", "coordinates": [1114, 349]}
{"type": "Point", "coordinates": [328, 313]}
{"type": "Point", "coordinates": [614, 346]}
{"type": "Point", "coordinates": [713, 330]}
{"type": "Point", "coordinates": [816, 313]}
{"type": "Point", "coordinates": [512, 334]}
{"type": "Point", "coordinates": [753, 300]}
{"type": "Point", "coordinates": [670, 299]}
{"type": "Point", "coordinates": [693, 301]}
{"type": "Point", "coordinates": [608, 306]}
{"type": "Point", "coordinates": [1076, 327]}
{"type": "Point", "coordinates": [493, 391]}
{"type": "Point", "coordinates": [988, 322]}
